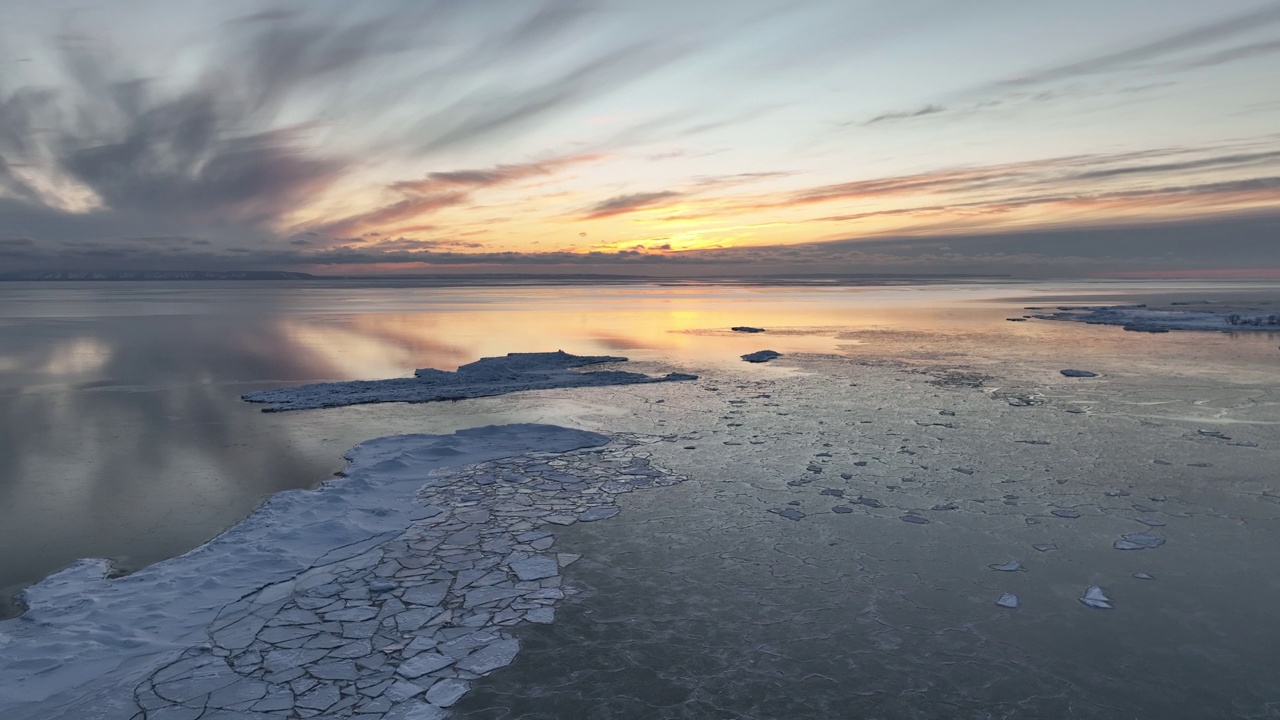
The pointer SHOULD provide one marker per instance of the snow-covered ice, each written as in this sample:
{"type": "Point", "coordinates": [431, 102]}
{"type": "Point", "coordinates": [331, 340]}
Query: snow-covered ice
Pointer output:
{"type": "Point", "coordinates": [1140, 318]}
{"type": "Point", "coordinates": [279, 615]}
{"type": "Point", "coordinates": [514, 372]}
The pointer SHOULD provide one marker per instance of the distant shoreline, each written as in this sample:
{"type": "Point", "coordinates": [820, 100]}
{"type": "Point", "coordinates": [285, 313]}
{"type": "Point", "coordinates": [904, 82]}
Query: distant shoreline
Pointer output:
{"type": "Point", "coordinates": [472, 280]}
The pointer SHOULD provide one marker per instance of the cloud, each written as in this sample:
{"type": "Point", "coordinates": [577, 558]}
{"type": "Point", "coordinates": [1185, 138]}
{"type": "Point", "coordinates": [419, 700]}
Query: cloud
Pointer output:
{"type": "Point", "coordinates": [1242, 52]}
{"type": "Point", "coordinates": [439, 190]}
{"type": "Point", "coordinates": [241, 146]}
{"type": "Point", "coordinates": [214, 152]}
{"type": "Point", "coordinates": [406, 209]}
{"type": "Point", "coordinates": [490, 177]}
{"type": "Point", "coordinates": [887, 117]}
{"type": "Point", "coordinates": [1168, 45]}
{"type": "Point", "coordinates": [480, 115]}
{"type": "Point", "coordinates": [623, 204]}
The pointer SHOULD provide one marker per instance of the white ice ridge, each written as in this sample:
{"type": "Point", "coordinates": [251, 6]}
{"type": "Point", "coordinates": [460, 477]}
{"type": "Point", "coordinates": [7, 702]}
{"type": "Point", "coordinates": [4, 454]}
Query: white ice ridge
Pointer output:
{"type": "Point", "coordinates": [1140, 318]}
{"type": "Point", "coordinates": [486, 377]}
{"type": "Point", "coordinates": [382, 592]}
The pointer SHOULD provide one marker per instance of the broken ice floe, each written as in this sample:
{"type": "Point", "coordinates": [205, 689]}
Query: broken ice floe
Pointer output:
{"type": "Point", "coordinates": [515, 372]}
{"type": "Point", "coordinates": [1140, 318]}
{"type": "Point", "coordinates": [402, 610]}
{"type": "Point", "coordinates": [1008, 600]}
{"type": "Point", "coordinates": [762, 356]}
{"type": "Point", "coordinates": [1095, 598]}
{"type": "Point", "coordinates": [1138, 541]}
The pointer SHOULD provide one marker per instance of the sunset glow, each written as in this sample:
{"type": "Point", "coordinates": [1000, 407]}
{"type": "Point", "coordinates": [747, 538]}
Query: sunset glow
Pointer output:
{"type": "Point", "coordinates": [570, 137]}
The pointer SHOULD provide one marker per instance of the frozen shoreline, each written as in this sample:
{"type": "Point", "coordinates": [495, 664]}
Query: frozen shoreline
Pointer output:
{"type": "Point", "coordinates": [278, 609]}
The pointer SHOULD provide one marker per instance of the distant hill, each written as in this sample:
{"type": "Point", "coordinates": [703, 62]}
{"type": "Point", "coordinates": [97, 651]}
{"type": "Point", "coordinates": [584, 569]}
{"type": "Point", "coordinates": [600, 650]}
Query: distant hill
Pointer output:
{"type": "Point", "coordinates": [117, 275]}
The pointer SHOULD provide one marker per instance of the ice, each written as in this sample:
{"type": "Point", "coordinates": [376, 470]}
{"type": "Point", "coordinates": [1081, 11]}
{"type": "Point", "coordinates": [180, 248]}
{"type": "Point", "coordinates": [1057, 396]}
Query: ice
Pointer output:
{"type": "Point", "coordinates": [516, 372]}
{"type": "Point", "coordinates": [1044, 547]}
{"type": "Point", "coordinates": [422, 664]}
{"type": "Point", "coordinates": [1140, 318]}
{"type": "Point", "coordinates": [763, 356]}
{"type": "Point", "coordinates": [915, 519]}
{"type": "Point", "coordinates": [1067, 513]}
{"type": "Point", "coordinates": [446, 692]}
{"type": "Point", "coordinates": [1008, 600]}
{"type": "Point", "coordinates": [535, 568]}
{"type": "Point", "coordinates": [491, 657]}
{"type": "Point", "coordinates": [1011, 566]}
{"type": "Point", "coordinates": [1095, 598]}
{"type": "Point", "coordinates": [1078, 373]}
{"type": "Point", "coordinates": [788, 513]}
{"type": "Point", "coordinates": [600, 513]}
{"type": "Point", "coordinates": [98, 637]}
{"type": "Point", "coordinates": [1138, 541]}
{"type": "Point", "coordinates": [1143, 576]}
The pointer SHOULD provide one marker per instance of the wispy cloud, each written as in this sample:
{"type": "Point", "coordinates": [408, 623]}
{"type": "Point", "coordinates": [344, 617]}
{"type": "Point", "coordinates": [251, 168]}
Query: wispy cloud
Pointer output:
{"type": "Point", "coordinates": [623, 204]}
{"type": "Point", "coordinates": [439, 190]}
{"type": "Point", "coordinates": [888, 117]}
{"type": "Point", "coordinates": [1171, 44]}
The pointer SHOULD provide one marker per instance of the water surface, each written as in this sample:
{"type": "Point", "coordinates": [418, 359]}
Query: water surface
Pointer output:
{"type": "Point", "coordinates": [123, 435]}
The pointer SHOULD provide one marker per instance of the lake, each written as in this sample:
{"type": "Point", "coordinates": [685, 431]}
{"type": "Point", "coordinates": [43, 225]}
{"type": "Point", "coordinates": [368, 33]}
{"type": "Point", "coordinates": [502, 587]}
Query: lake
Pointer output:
{"type": "Point", "coordinates": [124, 436]}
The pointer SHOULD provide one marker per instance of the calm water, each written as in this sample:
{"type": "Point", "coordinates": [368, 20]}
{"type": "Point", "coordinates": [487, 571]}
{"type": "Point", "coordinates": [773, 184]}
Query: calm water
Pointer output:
{"type": "Point", "coordinates": [122, 436]}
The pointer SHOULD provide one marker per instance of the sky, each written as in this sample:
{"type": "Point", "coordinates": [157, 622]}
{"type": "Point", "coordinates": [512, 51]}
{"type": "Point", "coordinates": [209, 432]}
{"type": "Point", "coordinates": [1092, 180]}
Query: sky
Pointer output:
{"type": "Point", "coordinates": [1094, 138]}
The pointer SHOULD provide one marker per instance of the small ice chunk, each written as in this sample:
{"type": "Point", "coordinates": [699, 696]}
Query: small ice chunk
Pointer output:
{"type": "Point", "coordinates": [597, 513]}
{"type": "Point", "coordinates": [788, 513]}
{"type": "Point", "coordinates": [491, 657]}
{"type": "Point", "coordinates": [946, 506]}
{"type": "Point", "coordinates": [447, 692]}
{"type": "Point", "coordinates": [1143, 576]}
{"type": "Point", "coordinates": [1008, 600]}
{"type": "Point", "coordinates": [424, 663]}
{"type": "Point", "coordinates": [914, 519]}
{"type": "Point", "coordinates": [1078, 373]}
{"type": "Point", "coordinates": [1065, 513]}
{"type": "Point", "coordinates": [1044, 547]}
{"type": "Point", "coordinates": [841, 509]}
{"type": "Point", "coordinates": [762, 356]}
{"type": "Point", "coordinates": [535, 568]}
{"type": "Point", "coordinates": [1150, 522]}
{"type": "Point", "coordinates": [1011, 566]}
{"type": "Point", "coordinates": [1138, 541]}
{"type": "Point", "coordinates": [1095, 598]}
